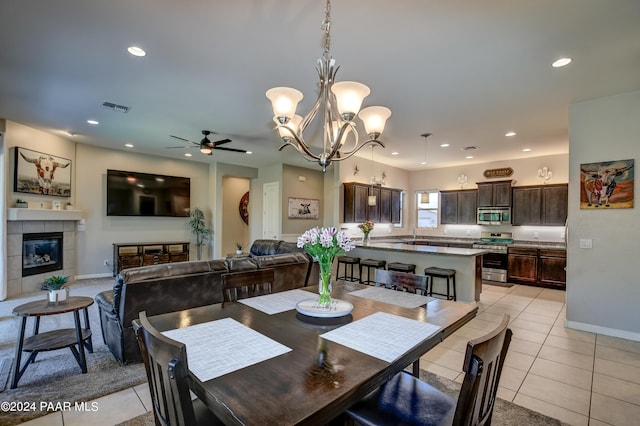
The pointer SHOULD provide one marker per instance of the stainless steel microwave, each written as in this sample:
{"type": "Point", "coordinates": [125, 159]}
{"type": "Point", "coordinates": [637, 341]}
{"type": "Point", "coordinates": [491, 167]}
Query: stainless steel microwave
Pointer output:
{"type": "Point", "coordinates": [494, 216]}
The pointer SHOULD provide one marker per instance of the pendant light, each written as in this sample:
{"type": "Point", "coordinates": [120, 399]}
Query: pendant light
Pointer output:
{"type": "Point", "coordinates": [371, 200]}
{"type": "Point", "coordinates": [425, 196]}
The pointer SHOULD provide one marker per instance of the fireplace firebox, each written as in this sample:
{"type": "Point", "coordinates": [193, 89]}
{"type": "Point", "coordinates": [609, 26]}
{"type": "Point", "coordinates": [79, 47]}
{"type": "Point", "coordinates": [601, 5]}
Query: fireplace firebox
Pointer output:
{"type": "Point", "coordinates": [41, 252]}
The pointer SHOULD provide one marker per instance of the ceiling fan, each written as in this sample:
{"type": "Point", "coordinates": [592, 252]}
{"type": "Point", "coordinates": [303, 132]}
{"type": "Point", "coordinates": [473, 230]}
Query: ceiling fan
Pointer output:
{"type": "Point", "coordinates": [206, 146]}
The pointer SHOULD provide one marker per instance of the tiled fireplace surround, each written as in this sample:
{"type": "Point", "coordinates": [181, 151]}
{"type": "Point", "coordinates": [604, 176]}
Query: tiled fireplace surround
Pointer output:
{"type": "Point", "coordinates": [18, 284]}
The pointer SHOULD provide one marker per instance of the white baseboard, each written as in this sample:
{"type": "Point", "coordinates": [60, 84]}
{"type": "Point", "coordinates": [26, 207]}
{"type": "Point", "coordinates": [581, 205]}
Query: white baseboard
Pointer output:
{"type": "Point", "coordinates": [623, 334]}
{"type": "Point", "coordinates": [90, 276]}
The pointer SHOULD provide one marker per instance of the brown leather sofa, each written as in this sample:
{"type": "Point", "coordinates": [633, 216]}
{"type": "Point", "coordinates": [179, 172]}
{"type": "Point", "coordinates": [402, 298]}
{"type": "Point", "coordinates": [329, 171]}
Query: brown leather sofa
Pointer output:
{"type": "Point", "coordinates": [173, 287]}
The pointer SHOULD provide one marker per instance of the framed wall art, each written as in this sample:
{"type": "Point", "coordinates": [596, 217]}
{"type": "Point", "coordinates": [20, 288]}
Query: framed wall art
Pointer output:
{"type": "Point", "coordinates": [607, 185]}
{"type": "Point", "coordinates": [304, 208]}
{"type": "Point", "coordinates": [39, 173]}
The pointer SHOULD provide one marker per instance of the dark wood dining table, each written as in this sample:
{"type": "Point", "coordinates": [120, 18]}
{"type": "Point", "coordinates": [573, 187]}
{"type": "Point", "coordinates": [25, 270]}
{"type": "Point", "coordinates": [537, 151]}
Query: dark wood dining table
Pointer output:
{"type": "Point", "coordinates": [318, 379]}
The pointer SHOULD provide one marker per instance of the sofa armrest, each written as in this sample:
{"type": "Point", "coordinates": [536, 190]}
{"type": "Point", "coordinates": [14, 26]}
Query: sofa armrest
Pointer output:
{"type": "Point", "coordinates": [105, 301]}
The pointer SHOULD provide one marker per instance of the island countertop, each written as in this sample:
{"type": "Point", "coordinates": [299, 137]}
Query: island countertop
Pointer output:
{"type": "Point", "coordinates": [410, 248]}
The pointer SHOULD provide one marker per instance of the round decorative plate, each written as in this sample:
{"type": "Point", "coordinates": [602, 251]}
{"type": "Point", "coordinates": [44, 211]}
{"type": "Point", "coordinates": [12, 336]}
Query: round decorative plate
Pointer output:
{"type": "Point", "coordinates": [244, 207]}
{"type": "Point", "coordinates": [337, 308]}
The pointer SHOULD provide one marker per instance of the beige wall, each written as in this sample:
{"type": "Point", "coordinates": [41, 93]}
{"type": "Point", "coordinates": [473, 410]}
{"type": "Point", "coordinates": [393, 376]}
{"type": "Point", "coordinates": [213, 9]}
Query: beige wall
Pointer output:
{"type": "Point", "coordinates": [234, 229]}
{"type": "Point", "coordinates": [292, 186]}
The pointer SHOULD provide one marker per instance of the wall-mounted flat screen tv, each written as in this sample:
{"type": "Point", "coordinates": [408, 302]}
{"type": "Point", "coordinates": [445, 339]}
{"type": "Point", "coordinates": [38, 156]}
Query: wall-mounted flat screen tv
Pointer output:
{"type": "Point", "coordinates": [144, 194]}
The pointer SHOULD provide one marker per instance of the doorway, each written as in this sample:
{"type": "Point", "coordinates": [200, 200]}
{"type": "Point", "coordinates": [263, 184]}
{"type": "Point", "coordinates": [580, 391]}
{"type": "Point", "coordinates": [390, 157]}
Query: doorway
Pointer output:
{"type": "Point", "coordinates": [234, 208]}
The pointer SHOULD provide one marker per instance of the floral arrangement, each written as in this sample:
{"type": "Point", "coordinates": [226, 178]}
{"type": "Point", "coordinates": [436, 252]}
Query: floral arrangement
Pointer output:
{"type": "Point", "coordinates": [324, 244]}
{"type": "Point", "coordinates": [366, 227]}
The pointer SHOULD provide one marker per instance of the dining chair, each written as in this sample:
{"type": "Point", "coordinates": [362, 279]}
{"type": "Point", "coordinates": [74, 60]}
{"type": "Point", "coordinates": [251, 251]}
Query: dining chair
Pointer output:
{"type": "Point", "coordinates": [407, 400]}
{"type": "Point", "coordinates": [240, 285]}
{"type": "Point", "coordinates": [165, 361]}
{"type": "Point", "coordinates": [402, 281]}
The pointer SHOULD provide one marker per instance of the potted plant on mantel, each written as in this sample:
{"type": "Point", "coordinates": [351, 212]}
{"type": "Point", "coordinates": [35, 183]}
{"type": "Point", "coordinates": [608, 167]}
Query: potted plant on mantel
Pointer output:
{"type": "Point", "coordinates": [199, 229]}
{"type": "Point", "coordinates": [21, 204]}
{"type": "Point", "coordinates": [56, 286]}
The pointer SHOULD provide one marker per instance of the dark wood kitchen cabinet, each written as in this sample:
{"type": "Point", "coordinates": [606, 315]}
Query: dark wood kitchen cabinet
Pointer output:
{"type": "Point", "coordinates": [494, 194]}
{"type": "Point", "coordinates": [551, 268]}
{"type": "Point", "coordinates": [357, 209]}
{"type": "Point", "coordinates": [538, 267]}
{"type": "Point", "coordinates": [458, 207]}
{"type": "Point", "coordinates": [523, 265]}
{"type": "Point", "coordinates": [540, 205]}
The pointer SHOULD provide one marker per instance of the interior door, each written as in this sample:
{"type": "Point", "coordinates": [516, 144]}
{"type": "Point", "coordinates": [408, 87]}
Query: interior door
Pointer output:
{"type": "Point", "coordinates": [271, 210]}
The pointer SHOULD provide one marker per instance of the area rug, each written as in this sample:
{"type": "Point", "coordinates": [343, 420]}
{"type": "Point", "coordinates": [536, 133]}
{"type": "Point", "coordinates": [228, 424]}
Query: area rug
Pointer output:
{"type": "Point", "coordinates": [504, 413]}
{"type": "Point", "coordinates": [55, 376]}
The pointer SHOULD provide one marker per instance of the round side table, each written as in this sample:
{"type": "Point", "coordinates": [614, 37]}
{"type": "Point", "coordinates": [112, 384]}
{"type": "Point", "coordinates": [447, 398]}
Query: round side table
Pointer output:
{"type": "Point", "coordinates": [75, 339]}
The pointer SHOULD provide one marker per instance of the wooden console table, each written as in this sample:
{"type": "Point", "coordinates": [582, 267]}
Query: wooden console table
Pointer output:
{"type": "Point", "coordinates": [131, 255]}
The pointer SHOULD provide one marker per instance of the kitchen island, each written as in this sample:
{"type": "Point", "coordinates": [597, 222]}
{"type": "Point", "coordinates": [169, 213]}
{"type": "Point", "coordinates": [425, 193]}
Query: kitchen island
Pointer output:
{"type": "Point", "coordinates": [467, 263]}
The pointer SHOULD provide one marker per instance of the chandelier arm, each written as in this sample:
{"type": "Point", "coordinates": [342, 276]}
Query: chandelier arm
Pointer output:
{"type": "Point", "coordinates": [344, 156]}
{"type": "Point", "coordinates": [341, 135]}
{"type": "Point", "coordinates": [300, 145]}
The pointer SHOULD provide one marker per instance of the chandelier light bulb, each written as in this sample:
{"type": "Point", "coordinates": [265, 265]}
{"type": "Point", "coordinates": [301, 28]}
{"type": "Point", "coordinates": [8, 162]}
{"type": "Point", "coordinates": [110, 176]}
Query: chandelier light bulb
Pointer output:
{"type": "Point", "coordinates": [284, 101]}
{"type": "Point", "coordinates": [292, 124]}
{"type": "Point", "coordinates": [374, 119]}
{"type": "Point", "coordinates": [349, 97]}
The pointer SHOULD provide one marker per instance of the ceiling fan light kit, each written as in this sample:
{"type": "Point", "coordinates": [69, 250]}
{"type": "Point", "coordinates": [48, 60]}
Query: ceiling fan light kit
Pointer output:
{"type": "Point", "coordinates": [341, 103]}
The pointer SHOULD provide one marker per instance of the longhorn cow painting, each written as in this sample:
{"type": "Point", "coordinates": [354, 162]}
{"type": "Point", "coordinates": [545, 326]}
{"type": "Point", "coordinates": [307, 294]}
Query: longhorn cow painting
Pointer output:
{"type": "Point", "coordinates": [607, 185]}
{"type": "Point", "coordinates": [304, 208]}
{"type": "Point", "coordinates": [39, 173]}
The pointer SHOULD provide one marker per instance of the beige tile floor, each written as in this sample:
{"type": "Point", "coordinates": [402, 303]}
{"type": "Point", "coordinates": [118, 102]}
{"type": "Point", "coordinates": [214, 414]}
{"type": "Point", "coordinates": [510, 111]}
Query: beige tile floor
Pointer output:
{"type": "Point", "coordinates": [577, 377]}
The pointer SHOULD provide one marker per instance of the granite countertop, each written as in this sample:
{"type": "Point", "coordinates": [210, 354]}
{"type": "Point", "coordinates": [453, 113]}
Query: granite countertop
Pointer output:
{"type": "Point", "coordinates": [516, 243]}
{"type": "Point", "coordinates": [410, 248]}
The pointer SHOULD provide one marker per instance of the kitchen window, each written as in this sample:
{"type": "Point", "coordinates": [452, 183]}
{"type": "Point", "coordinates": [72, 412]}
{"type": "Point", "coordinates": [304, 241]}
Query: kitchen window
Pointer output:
{"type": "Point", "coordinates": [427, 208]}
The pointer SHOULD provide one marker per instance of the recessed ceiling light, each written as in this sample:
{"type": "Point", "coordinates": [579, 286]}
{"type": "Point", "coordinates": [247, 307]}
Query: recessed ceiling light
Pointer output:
{"type": "Point", "coordinates": [444, 145]}
{"type": "Point", "coordinates": [423, 163]}
{"type": "Point", "coordinates": [128, 145]}
{"type": "Point", "coordinates": [94, 122]}
{"type": "Point", "coordinates": [561, 62]}
{"type": "Point", "coordinates": [526, 150]}
{"type": "Point", "coordinates": [394, 153]}
{"type": "Point", "coordinates": [249, 152]}
{"type": "Point", "coordinates": [187, 154]}
{"type": "Point", "coordinates": [510, 134]}
{"type": "Point", "coordinates": [136, 51]}
{"type": "Point", "coordinates": [469, 157]}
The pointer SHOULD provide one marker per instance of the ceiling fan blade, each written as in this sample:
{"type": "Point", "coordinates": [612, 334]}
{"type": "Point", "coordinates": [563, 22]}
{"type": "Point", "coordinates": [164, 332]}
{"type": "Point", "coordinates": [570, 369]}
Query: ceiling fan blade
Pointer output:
{"type": "Point", "coordinates": [221, 148]}
{"type": "Point", "coordinates": [180, 147]}
{"type": "Point", "coordinates": [178, 137]}
{"type": "Point", "coordinates": [222, 141]}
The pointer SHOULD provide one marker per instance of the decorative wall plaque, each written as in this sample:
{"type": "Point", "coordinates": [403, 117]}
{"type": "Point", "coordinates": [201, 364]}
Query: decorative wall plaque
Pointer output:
{"type": "Point", "coordinates": [498, 173]}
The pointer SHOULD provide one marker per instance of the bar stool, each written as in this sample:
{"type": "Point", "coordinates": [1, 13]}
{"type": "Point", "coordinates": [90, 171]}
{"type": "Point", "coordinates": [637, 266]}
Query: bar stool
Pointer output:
{"type": "Point", "coordinates": [401, 267]}
{"type": "Point", "coordinates": [347, 261]}
{"type": "Point", "coordinates": [448, 274]}
{"type": "Point", "coordinates": [371, 263]}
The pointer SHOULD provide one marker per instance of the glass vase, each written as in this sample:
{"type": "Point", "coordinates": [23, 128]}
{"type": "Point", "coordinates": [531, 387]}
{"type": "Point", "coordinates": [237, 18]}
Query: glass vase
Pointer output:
{"type": "Point", "coordinates": [324, 287]}
{"type": "Point", "coordinates": [365, 240]}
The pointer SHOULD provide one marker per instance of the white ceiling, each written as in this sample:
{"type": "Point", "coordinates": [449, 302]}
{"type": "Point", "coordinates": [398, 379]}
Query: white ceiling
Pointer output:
{"type": "Point", "coordinates": [465, 70]}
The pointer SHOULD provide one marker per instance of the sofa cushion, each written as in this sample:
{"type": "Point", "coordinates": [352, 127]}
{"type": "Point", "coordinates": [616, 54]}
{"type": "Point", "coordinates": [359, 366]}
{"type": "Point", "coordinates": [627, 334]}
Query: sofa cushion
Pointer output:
{"type": "Point", "coordinates": [286, 247]}
{"type": "Point", "coordinates": [241, 263]}
{"type": "Point", "coordinates": [264, 247]}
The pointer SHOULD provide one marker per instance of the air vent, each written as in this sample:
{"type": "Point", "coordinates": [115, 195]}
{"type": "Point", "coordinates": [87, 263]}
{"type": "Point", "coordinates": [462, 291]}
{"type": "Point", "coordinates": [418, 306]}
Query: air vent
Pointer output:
{"type": "Point", "coordinates": [115, 107]}
{"type": "Point", "coordinates": [469, 148]}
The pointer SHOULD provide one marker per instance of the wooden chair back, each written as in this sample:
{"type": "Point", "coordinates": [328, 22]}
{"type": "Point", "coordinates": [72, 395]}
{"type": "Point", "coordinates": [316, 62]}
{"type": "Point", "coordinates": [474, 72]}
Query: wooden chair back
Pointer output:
{"type": "Point", "coordinates": [401, 281]}
{"type": "Point", "coordinates": [240, 285]}
{"type": "Point", "coordinates": [165, 361]}
{"type": "Point", "coordinates": [483, 363]}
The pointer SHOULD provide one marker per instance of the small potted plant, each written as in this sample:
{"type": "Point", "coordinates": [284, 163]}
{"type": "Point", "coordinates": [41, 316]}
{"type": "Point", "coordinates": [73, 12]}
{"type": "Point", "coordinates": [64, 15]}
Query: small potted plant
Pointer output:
{"type": "Point", "coordinates": [56, 286]}
{"type": "Point", "coordinates": [68, 206]}
{"type": "Point", "coordinates": [239, 247]}
{"type": "Point", "coordinates": [21, 204]}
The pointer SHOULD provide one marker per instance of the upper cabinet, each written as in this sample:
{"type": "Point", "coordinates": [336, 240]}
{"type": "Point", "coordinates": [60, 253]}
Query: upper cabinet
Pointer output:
{"type": "Point", "coordinates": [494, 194]}
{"type": "Point", "coordinates": [357, 209]}
{"type": "Point", "coordinates": [458, 207]}
{"type": "Point", "coordinates": [540, 205]}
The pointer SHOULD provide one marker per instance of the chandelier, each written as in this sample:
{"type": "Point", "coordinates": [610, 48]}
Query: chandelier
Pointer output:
{"type": "Point", "coordinates": [340, 102]}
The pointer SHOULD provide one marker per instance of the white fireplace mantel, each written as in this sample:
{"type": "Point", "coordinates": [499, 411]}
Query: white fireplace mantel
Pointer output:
{"type": "Point", "coordinates": [14, 214]}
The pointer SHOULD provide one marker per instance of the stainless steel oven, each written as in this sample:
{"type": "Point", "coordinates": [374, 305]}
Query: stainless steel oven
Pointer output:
{"type": "Point", "coordinates": [495, 262]}
{"type": "Point", "coordinates": [494, 216]}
